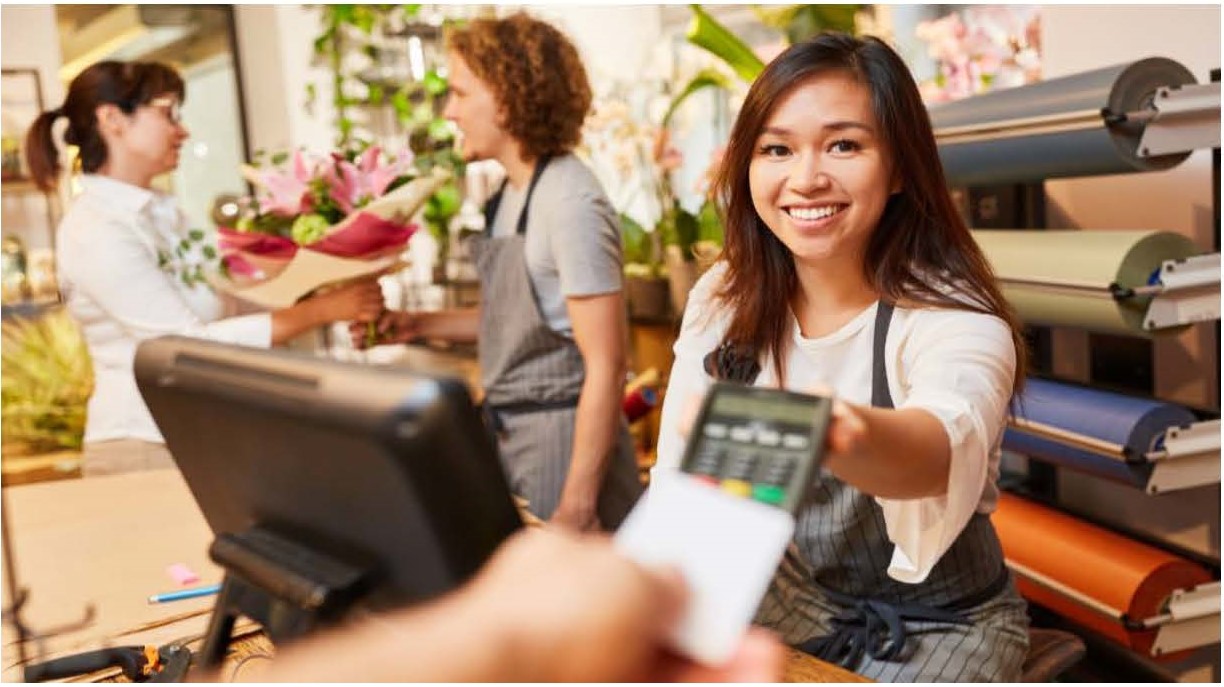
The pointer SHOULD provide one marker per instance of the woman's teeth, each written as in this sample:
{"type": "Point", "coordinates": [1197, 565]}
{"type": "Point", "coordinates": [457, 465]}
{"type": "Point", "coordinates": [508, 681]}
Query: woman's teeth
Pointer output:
{"type": "Point", "coordinates": [810, 214]}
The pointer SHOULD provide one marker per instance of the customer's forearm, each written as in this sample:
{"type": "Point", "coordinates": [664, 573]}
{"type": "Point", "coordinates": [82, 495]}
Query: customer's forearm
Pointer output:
{"type": "Point", "coordinates": [433, 643]}
{"type": "Point", "coordinates": [461, 325]}
{"type": "Point", "coordinates": [292, 321]}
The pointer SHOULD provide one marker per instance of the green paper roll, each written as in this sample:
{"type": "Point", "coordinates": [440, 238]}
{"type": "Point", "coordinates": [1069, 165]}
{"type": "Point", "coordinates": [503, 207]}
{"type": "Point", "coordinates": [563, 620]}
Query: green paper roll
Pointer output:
{"type": "Point", "coordinates": [1063, 278]}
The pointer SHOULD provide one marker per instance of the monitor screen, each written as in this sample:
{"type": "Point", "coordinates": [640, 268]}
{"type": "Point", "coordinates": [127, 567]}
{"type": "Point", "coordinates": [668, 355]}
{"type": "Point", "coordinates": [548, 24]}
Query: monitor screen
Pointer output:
{"type": "Point", "coordinates": [373, 463]}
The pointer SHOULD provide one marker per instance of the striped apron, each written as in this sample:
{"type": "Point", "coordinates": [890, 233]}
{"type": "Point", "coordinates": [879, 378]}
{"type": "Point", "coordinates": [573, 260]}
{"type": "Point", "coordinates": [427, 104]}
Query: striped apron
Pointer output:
{"type": "Point", "coordinates": [532, 377]}
{"type": "Point", "coordinates": [833, 598]}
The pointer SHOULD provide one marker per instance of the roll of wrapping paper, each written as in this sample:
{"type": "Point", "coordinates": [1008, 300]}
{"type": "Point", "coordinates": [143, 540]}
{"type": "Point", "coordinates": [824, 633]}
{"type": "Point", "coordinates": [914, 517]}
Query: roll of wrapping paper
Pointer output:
{"type": "Point", "coordinates": [1117, 428]}
{"type": "Point", "coordinates": [1110, 570]}
{"type": "Point", "coordinates": [1063, 278]}
{"type": "Point", "coordinates": [1054, 128]}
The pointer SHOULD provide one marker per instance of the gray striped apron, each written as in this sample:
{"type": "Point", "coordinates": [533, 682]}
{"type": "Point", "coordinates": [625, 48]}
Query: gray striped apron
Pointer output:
{"type": "Point", "coordinates": [833, 598]}
{"type": "Point", "coordinates": [532, 377]}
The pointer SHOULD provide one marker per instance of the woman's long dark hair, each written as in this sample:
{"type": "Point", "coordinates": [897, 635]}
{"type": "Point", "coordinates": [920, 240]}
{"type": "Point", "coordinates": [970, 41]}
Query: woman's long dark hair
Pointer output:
{"type": "Point", "coordinates": [127, 85]}
{"type": "Point", "coordinates": [920, 235]}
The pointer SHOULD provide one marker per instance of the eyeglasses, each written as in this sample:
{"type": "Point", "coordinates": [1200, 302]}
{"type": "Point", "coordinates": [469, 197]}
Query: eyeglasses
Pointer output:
{"type": "Point", "coordinates": [170, 107]}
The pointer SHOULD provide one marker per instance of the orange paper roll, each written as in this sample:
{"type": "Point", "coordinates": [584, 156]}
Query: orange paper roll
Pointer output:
{"type": "Point", "coordinates": [1109, 569]}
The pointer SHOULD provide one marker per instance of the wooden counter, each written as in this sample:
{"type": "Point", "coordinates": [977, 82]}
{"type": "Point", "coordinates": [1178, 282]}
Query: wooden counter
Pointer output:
{"type": "Point", "coordinates": [107, 541]}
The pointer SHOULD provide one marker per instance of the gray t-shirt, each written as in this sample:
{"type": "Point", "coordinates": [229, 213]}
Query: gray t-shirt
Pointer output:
{"type": "Point", "coordinates": [573, 245]}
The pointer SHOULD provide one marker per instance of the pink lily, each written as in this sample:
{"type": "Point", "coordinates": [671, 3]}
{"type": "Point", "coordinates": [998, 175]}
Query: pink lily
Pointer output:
{"type": "Point", "coordinates": [352, 185]}
{"type": "Point", "coordinates": [376, 177]}
{"type": "Point", "coordinates": [368, 160]}
{"type": "Point", "coordinates": [340, 186]}
{"type": "Point", "coordinates": [287, 194]}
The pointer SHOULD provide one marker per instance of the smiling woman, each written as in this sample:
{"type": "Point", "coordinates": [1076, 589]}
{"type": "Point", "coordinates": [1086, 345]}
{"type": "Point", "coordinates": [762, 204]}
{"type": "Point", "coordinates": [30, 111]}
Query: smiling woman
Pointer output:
{"type": "Point", "coordinates": [848, 272]}
{"type": "Point", "coordinates": [820, 176]}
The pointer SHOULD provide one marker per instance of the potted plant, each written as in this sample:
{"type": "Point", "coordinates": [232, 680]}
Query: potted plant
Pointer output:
{"type": "Point", "coordinates": [646, 286]}
{"type": "Point", "coordinates": [46, 379]}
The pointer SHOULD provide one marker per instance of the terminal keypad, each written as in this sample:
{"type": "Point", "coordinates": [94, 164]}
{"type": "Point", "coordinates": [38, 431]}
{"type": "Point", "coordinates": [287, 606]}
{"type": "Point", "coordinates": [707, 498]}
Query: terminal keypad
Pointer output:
{"type": "Point", "coordinates": [749, 458]}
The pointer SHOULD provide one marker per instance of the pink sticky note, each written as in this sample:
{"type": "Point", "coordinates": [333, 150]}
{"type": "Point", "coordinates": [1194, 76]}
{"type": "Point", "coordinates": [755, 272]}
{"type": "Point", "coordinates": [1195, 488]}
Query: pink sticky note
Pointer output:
{"type": "Point", "coordinates": [181, 574]}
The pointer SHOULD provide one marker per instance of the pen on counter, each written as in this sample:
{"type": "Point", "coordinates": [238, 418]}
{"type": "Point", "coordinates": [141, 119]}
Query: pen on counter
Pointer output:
{"type": "Point", "coordinates": [180, 594]}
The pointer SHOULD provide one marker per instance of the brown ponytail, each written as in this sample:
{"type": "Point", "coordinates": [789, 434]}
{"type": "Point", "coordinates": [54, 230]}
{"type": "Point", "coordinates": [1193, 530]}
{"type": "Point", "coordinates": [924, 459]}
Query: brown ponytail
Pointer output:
{"type": "Point", "coordinates": [126, 85]}
{"type": "Point", "coordinates": [42, 156]}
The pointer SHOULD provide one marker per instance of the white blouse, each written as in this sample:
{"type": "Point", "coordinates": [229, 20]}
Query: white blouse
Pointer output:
{"type": "Point", "coordinates": [956, 365]}
{"type": "Point", "coordinates": [108, 249]}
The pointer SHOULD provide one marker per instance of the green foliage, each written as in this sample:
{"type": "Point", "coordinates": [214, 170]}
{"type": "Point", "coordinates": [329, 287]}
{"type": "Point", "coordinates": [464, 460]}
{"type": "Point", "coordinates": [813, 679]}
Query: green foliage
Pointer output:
{"type": "Point", "coordinates": [801, 22]}
{"type": "Point", "coordinates": [440, 208]}
{"type": "Point", "coordinates": [709, 225]}
{"type": "Point", "coordinates": [706, 78]}
{"type": "Point", "coordinates": [706, 33]}
{"type": "Point", "coordinates": [346, 29]}
{"type": "Point", "coordinates": [636, 243]}
{"type": "Point", "coordinates": [45, 382]}
{"type": "Point", "coordinates": [798, 22]}
{"type": "Point", "coordinates": [308, 228]}
{"type": "Point", "coordinates": [678, 227]}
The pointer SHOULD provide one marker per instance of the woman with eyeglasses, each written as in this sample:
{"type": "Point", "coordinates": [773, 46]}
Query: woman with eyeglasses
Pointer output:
{"type": "Point", "coordinates": [114, 250]}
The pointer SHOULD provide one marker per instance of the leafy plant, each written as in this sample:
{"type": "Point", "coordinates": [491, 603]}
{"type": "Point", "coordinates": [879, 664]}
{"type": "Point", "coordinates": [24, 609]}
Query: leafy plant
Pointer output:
{"type": "Point", "coordinates": [416, 103]}
{"type": "Point", "coordinates": [707, 33]}
{"type": "Point", "coordinates": [678, 227]}
{"type": "Point", "coordinates": [640, 251]}
{"type": "Point", "coordinates": [801, 22]}
{"type": "Point", "coordinates": [709, 226]}
{"type": "Point", "coordinates": [45, 382]}
{"type": "Point", "coordinates": [798, 22]}
{"type": "Point", "coordinates": [440, 208]}
{"type": "Point", "coordinates": [351, 28]}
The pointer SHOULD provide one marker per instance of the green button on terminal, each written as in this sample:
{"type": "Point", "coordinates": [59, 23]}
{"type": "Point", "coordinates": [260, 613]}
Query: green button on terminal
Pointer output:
{"type": "Point", "coordinates": [768, 493]}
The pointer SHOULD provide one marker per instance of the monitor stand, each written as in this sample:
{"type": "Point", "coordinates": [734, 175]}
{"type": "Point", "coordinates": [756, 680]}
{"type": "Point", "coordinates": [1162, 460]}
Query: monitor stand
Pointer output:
{"type": "Point", "coordinates": [287, 587]}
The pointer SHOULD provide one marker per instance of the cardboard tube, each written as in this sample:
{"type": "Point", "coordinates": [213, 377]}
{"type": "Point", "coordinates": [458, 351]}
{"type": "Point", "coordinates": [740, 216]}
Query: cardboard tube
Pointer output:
{"type": "Point", "coordinates": [1031, 264]}
{"type": "Point", "coordinates": [1111, 570]}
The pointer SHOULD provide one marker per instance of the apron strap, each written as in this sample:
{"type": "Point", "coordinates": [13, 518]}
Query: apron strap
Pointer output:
{"type": "Point", "coordinates": [877, 629]}
{"type": "Point", "coordinates": [494, 201]}
{"type": "Point", "coordinates": [881, 397]}
{"type": "Point", "coordinates": [732, 363]}
{"type": "Point", "coordinates": [493, 412]}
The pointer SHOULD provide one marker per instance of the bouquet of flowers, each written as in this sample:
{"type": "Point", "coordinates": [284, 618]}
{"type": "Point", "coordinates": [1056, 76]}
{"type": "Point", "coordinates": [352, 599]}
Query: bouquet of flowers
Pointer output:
{"type": "Point", "coordinates": [322, 221]}
{"type": "Point", "coordinates": [979, 49]}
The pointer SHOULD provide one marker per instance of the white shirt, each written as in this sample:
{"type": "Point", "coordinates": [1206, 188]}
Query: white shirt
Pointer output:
{"type": "Point", "coordinates": [108, 247]}
{"type": "Point", "coordinates": [955, 364]}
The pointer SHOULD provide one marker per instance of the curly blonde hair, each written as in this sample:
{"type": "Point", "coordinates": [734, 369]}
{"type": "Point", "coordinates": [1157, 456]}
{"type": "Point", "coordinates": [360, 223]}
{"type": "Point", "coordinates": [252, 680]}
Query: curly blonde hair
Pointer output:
{"type": "Point", "coordinates": [536, 76]}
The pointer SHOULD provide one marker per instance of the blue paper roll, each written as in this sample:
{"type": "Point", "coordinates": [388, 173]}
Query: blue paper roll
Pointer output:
{"type": "Point", "coordinates": [1135, 425]}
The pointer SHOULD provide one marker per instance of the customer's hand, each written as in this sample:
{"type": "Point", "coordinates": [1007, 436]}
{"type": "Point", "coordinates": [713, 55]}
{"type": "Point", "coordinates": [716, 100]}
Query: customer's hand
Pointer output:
{"type": "Point", "coordinates": [550, 606]}
{"type": "Point", "coordinates": [391, 327]}
{"type": "Point", "coordinates": [576, 610]}
{"type": "Point", "coordinates": [358, 301]}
